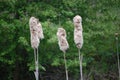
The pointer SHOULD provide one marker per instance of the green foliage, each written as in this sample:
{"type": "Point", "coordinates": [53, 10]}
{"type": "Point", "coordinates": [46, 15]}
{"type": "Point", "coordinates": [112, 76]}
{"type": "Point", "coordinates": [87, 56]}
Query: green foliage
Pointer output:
{"type": "Point", "coordinates": [100, 20]}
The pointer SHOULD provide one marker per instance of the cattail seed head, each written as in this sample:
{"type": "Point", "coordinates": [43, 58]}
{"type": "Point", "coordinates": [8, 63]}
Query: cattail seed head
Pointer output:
{"type": "Point", "coordinates": [62, 41]}
{"type": "Point", "coordinates": [35, 31]}
{"type": "Point", "coordinates": [78, 37]}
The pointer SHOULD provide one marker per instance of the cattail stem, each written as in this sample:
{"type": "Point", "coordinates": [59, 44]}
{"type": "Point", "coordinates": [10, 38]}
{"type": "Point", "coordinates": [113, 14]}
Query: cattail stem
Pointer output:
{"type": "Point", "coordinates": [35, 54]}
{"type": "Point", "coordinates": [80, 61]}
{"type": "Point", "coordinates": [36, 64]}
{"type": "Point", "coordinates": [63, 44]}
{"type": "Point", "coordinates": [66, 66]}
{"type": "Point", "coordinates": [118, 56]}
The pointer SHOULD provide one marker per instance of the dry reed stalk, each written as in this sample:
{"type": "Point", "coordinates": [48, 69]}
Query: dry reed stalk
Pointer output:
{"type": "Point", "coordinates": [78, 39]}
{"type": "Point", "coordinates": [36, 34]}
{"type": "Point", "coordinates": [63, 44]}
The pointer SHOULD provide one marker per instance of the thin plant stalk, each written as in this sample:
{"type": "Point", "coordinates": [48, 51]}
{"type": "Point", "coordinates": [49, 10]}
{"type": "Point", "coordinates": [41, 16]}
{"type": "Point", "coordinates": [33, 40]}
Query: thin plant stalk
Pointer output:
{"type": "Point", "coordinates": [63, 44]}
{"type": "Point", "coordinates": [36, 64]}
{"type": "Point", "coordinates": [118, 56]}
{"type": "Point", "coordinates": [35, 54]}
{"type": "Point", "coordinates": [80, 61]}
{"type": "Point", "coordinates": [65, 66]}
{"type": "Point", "coordinates": [36, 34]}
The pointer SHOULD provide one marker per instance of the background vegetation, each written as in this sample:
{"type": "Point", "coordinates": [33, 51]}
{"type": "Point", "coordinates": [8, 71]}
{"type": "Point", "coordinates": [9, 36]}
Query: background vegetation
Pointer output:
{"type": "Point", "coordinates": [100, 18]}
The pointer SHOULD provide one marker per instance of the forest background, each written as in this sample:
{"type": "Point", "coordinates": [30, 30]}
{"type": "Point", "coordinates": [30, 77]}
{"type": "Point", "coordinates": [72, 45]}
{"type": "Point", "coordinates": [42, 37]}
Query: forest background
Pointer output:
{"type": "Point", "coordinates": [100, 20]}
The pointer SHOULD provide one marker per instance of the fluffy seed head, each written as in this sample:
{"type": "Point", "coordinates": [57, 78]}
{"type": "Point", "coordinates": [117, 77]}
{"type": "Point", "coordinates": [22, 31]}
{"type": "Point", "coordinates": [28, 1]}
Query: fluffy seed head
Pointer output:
{"type": "Point", "coordinates": [34, 32]}
{"type": "Point", "coordinates": [62, 41]}
{"type": "Point", "coordinates": [78, 37]}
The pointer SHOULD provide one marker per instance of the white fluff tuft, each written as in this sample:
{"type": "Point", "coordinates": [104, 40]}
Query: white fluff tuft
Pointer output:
{"type": "Point", "coordinates": [78, 37]}
{"type": "Point", "coordinates": [62, 41]}
{"type": "Point", "coordinates": [40, 31]}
